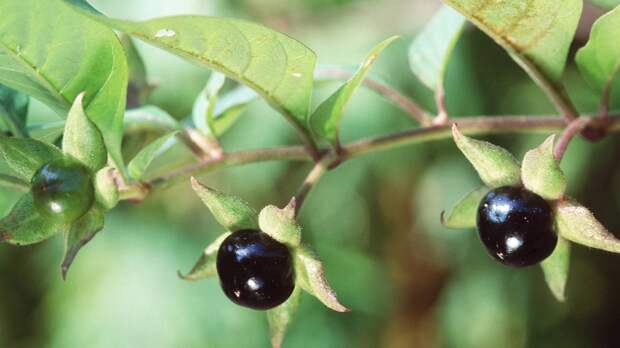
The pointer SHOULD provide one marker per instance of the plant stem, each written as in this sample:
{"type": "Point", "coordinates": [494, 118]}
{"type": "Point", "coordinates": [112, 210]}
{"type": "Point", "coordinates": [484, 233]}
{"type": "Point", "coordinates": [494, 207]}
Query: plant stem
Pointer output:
{"type": "Point", "coordinates": [313, 177]}
{"type": "Point", "coordinates": [442, 111]}
{"type": "Point", "coordinates": [573, 128]}
{"type": "Point", "coordinates": [409, 106]}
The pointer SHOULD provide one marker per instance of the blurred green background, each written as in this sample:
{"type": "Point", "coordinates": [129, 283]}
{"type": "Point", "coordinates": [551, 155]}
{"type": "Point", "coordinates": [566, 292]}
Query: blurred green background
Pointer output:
{"type": "Point", "coordinates": [375, 220]}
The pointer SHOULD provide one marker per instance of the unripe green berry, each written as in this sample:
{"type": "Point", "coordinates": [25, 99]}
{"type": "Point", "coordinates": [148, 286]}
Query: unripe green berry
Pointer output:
{"type": "Point", "coordinates": [63, 190]}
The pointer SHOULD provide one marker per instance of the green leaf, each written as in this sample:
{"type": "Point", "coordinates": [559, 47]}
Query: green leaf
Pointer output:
{"type": "Point", "coordinates": [81, 232]}
{"type": "Point", "coordinates": [541, 172]}
{"type": "Point", "coordinates": [465, 212]}
{"type": "Point", "coordinates": [537, 34]}
{"type": "Point", "coordinates": [280, 224]}
{"type": "Point", "coordinates": [52, 53]}
{"type": "Point", "coordinates": [138, 88]}
{"type": "Point", "coordinates": [229, 211]}
{"type": "Point", "coordinates": [206, 266]}
{"type": "Point", "coordinates": [14, 110]}
{"type": "Point", "coordinates": [204, 106]}
{"type": "Point", "coordinates": [143, 159]}
{"type": "Point", "coordinates": [555, 269]}
{"type": "Point", "coordinates": [48, 132]}
{"type": "Point", "coordinates": [577, 224]}
{"type": "Point", "coordinates": [152, 117]}
{"type": "Point", "coordinates": [325, 121]}
{"type": "Point", "coordinates": [495, 166]}
{"type": "Point", "coordinates": [280, 318]}
{"type": "Point", "coordinates": [82, 140]}
{"type": "Point", "coordinates": [276, 66]}
{"type": "Point", "coordinates": [24, 225]}
{"type": "Point", "coordinates": [106, 190]}
{"type": "Point", "coordinates": [431, 49]}
{"type": "Point", "coordinates": [229, 107]}
{"type": "Point", "coordinates": [13, 183]}
{"type": "Point", "coordinates": [606, 4]}
{"type": "Point", "coordinates": [599, 59]}
{"type": "Point", "coordinates": [25, 156]}
{"type": "Point", "coordinates": [310, 276]}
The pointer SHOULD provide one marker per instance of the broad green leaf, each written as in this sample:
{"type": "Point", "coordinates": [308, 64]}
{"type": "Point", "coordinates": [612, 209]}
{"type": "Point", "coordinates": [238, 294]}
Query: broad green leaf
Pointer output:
{"type": "Point", "coordinates": [310, 276]}
{"type": "Point", "coordinates": [52, 53]}
{"type": "Point", "coordinates": [229, 211]}
{"type": "Point", "coordinates": [138, 88]}
{"type": "Point", "coordinates": [48, 132]}
{"type": "Point", "coordinates": [82, 139]}
{"type": "Point", "coordinates": [206, 266]}
{"type": "Point", "coordinates": [106, 190]}
{"type": "Point", "coordinates": [13, 183]}
{"type": "Point", "coordinates": [280, 224]}
{"type": "Point", "coordinates": [541, 172]}
{"type": "Point", "coordinates": [495, 166]}
{"type": "Point", "coordinates": [229, 107]}
{"type": "Point", "coordinates": [13, 110]}
{"type": "Point", "coordinates": [577, 224]}
{"type": "Point", "coordinates": [556, 267]}
{"type": "Point", "coordinates": [465, 212]}
{"type": "Point", "coordinates": [431, 49]}
{"type": "Point", "coordinates": [151, 116]}
{"type": "Point", "coordinates": [273, 64]}
{"type": "Point", "coordinates": [325, 121]}
{"type": "Point", "coordinates": [204, 106]}
{"type": "Point", "coordinates": [143, 159]}
{"type": "Point", "coordinates": [281, 317]}
{"type": "Point", "coordinates": [599, 59]}
{"type": "Point", "coordinates": [24, 225]}
{"type": "Point", "coordinates": [80, 233]}
{"type": "Point", "coordinates": [25, 156]}
{"type": "Point", "coordinates": [537, 34]}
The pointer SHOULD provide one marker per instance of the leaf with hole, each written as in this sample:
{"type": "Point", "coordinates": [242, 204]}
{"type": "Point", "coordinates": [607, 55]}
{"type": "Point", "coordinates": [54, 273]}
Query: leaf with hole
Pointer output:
{"type": "Point", "coordinates": [465, 212]}
{"type": "Point", "coordinates": [140, 163]}
{"type": "Point", "coordinates": [541, 172]}
{"type": "Point", "coordinates": [25, 156]}
{"type": "Point", "coordinates": [555, 269]}
{"type": "Point", "coordinates": [230, 211]}
{"type": "Point", "coordinates": [55, 57]}
{"type": "Point", "coordinates": [599, 59]}
{"type": "Point", "coordinates": [82, 139]}
{"type": "Point", "coordinates": [495, 165]}
{"type": "Point", "coordinates": [431, 49]}
{"type": "Point", "coordinates": [325, 120]}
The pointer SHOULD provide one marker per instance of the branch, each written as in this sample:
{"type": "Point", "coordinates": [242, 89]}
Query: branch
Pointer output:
{"type": "Point", "coordinates": [573, 128]}
{"type": "Point", "coordinates": [313, 177]}
{"type": "Point", "coordinates": [407, 105]}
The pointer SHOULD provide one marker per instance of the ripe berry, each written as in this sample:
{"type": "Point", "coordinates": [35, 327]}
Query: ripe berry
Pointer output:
{"type": "Point", "coordinates": [255, 270]}
{"type": "Point", "coordinates": [62, 190]}
{"type": "Point", "coordinates": [516, 226]}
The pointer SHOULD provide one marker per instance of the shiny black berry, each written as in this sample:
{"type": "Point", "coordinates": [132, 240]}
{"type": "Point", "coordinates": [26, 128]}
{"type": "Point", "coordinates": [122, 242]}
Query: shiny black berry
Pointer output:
{"type": "Point", "coordinates": [255, 270]}
{"type": "Point", "coordinates": [516, 226]}
{"type": "Point", "coordinates": [63, 190]}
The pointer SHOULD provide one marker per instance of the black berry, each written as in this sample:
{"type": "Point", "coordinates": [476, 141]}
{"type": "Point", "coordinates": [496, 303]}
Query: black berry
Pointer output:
{"type": "Point", "coordinates": [255, 270]}
{"type": "Point", "coordinates": [63, 190]}
{"type": "Point", "coordinates": [516, 226]}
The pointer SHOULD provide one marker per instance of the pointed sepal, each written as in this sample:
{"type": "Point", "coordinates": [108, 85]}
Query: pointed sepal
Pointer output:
{"type": "Point", "coordinates": [310, 276]}
{"type": "Point", "coordinates": [495, 165]}
{"type": "Point", "coordinates": [556, 267]}
{"type": "Point", "coordinates": [24, 225]}
{"type": "Point", "coordinates": [25, 155]}
{"type": "Point", "coordinates": [280, 318]}
{"type": "Point", "coordinates": [205, 267]}
{"type": "Point", "coordinates": [541, 172]}
{"type": "Point", "coordinates": [106, 190]}
{"type": "Point", "coordinates": [82, 139]}
{"type": "Point", "coordinates": [230, 211]}
{"type": "Point", "coordinates": [81, 232]}
{"type": "Point", "coordinates": [464, 213]}
{"type": "Point", "coordinates": [577, 224]}
{"type": "Point", "coordinates": [280, 224]}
